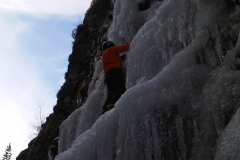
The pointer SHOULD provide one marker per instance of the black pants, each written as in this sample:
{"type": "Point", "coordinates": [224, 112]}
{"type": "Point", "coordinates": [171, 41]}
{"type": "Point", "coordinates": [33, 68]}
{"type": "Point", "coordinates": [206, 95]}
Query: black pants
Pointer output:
{"type": "Point", "coordinates": [115, 85]}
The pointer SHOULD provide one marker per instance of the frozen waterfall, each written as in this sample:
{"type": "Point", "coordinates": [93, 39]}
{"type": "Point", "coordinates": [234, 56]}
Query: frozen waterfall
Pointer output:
{"type": "Point", "coordinates": [182, 97]}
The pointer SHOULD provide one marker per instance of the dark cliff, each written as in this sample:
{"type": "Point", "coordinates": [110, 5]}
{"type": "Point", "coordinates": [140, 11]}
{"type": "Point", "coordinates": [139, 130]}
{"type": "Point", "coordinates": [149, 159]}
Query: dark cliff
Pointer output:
{"type": "Point", "coordinates": [86, 48]}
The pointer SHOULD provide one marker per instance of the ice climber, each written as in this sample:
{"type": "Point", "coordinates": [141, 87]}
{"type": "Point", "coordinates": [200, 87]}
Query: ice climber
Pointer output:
{"type": "Point", "coordinates": [113, 70]}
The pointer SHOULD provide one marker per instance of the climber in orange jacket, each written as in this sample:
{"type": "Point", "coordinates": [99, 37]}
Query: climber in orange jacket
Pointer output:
{"type": "Point", "coordinates": [113, 70]}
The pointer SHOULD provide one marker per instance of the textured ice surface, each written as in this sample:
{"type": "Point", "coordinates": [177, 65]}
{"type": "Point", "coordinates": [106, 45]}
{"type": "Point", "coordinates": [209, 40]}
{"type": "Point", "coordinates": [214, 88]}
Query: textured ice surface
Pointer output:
{"type": "Point", "coordinates": [181, 93]}
{"type": "Point", "coordinates": [229, 141]}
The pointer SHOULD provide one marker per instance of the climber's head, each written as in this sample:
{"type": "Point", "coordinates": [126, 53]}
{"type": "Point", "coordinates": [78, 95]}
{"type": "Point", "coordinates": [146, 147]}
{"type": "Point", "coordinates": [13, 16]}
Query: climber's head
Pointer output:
{"type": "Point", "coordinates": [107, 44]}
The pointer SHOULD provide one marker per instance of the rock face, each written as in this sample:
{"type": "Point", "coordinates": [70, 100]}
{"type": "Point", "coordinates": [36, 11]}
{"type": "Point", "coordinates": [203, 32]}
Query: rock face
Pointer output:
{"type": "Point", "coordinates": [182, 98]}
{"type": "Point", "coordinates": [86, 48]}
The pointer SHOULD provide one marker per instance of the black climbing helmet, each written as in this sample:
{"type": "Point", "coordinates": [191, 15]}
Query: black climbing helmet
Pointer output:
{"type": "Point", "coordinates": [107, 44]}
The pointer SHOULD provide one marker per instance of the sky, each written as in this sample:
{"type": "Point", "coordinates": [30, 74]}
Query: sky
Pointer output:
{"type": "Point", "coordinates": [35, 42]}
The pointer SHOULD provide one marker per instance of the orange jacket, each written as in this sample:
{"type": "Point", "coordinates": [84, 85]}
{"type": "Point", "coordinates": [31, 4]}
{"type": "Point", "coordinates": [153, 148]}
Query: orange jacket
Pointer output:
{"type": "Point", "coordinates": [111, 58]}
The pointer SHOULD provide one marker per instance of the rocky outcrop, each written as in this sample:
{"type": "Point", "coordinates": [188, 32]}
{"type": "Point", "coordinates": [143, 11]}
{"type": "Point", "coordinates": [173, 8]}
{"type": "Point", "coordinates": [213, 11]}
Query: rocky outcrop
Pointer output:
{"type": "Point", "coordinates": [86, 49]}
{"type": "Point", "coordinates": [186, 108]}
